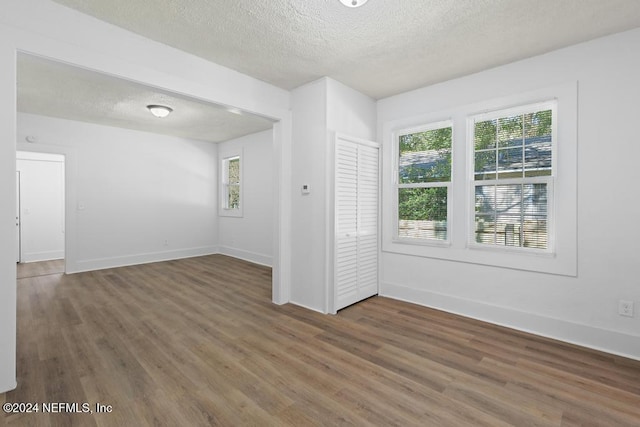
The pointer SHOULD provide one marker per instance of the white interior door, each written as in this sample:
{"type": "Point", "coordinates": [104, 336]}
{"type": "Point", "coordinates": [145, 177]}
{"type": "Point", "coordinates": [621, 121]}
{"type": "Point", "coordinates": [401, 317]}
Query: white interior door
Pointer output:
{"type": "Point", "coordinates": [368, 193]}
{"type": "Point", "coordinates": [356, 220]}
{"type": "Point", "coordinates": [41, 212]}
{"type": "Point", "coordinates": [18, 257]}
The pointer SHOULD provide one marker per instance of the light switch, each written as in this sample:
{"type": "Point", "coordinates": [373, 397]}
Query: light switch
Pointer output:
{"type": "Point", "coordinates": [306, 189]}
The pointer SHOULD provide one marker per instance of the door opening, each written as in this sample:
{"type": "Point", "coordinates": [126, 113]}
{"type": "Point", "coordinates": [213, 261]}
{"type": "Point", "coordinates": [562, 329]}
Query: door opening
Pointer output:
{"type": "Point", "coordinates": [40, 211]}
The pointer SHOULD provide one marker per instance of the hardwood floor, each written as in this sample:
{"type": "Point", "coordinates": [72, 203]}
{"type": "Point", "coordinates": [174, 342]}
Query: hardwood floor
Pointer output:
{"type": "Point", "coordinates": [32, 269]}
{"type": "Point", "coordinates": [198, 342]}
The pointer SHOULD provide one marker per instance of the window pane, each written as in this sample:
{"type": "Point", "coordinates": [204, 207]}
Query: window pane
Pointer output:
{"type": "Point", "coordinates": [485, 214]}
{"type": "Point", "coordinates": [422, 213]}
{"type": "Point", "coordinates": [510, 131]}
{"type": "Point", "coordinates": [485, 134]}
{"type": "Point", "coordinates": [485, 165]}
{"type": "Point", "coordinates": [233, 199]}
{"type": "Point", "coordinates": [538, 126]}
{"type": "Point", "coordinates": [538, 135]}
{"type": "Point", "coordinates": [537, 159]}
{"type": "Point", "coordinates": [508, 210]}
{"type": "Point", "coordinates": [425, 156]}
{"type": "Point", "coordinates": [510, 163]}
{"type": "Point", "coordinates": [511, 215]}
{"type": "Point", "coordinates": [234, 171]}
{"type": "Point", "coordinates": [535, 216]}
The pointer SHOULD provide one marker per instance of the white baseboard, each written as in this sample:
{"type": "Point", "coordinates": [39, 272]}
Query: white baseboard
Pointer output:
{"type": "Point", "coordinates": [613, 342]}
{"type": "Point", "coordinates": [308, 307]}
{"type": "Point", "coordinates": [41, 256]}
{"type": "Point", "coordinates": [122, 261]}
{"type": "Point", "coordinates": [253, 257]}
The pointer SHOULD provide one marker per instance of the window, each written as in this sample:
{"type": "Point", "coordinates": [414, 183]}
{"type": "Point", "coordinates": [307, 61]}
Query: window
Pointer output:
{"type": "Point", "coordinates": [232, 183]}
{"type": "Point", "coordinates": [231, 186]}
{"type": "Point", "coordinates": [513, 177]}
{"type": "Point", "coordinates": [508, 197]}
{"type": "Point", "coordinates": [424, 182]}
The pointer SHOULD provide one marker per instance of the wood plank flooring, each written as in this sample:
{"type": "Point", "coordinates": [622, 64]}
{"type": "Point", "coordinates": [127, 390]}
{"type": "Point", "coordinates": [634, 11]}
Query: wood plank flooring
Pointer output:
{"type": "Point", "coordinates": [42, 268]}
{"type": "Point", "coordinates": [197, 342]}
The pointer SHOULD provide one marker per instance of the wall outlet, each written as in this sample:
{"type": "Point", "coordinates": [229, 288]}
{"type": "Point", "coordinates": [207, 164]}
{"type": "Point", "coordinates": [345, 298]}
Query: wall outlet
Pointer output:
{"type": "Point", "coordinates": [625, 308]}
{"type": "Point", "coordinates": [166, 243]}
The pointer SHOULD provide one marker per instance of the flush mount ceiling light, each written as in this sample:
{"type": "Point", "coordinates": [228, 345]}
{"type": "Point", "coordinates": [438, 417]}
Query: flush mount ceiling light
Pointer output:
{"type": "Point", "coordinates": [160, 111]}
{"type": "Point", "coordinates": [353, 3]}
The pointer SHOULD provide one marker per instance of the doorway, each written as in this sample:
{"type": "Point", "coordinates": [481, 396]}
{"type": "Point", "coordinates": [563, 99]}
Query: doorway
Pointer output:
{"type": "Point", "coordinates": [40, 211]}
{"type": "Point", "coordinates": [356, 200]}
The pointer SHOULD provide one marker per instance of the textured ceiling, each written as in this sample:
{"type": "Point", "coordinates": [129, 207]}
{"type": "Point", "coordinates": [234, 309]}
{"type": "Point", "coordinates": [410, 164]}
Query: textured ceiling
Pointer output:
{"type": "Point", "coordinates": [382, 48]}
{"type": "Point", "coordinates": [58, 90]}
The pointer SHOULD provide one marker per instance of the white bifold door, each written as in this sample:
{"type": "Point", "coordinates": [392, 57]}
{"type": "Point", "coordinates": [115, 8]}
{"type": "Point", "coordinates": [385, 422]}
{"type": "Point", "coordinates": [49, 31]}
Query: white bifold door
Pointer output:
{"type": "Point", "coordinates": [356, 190]}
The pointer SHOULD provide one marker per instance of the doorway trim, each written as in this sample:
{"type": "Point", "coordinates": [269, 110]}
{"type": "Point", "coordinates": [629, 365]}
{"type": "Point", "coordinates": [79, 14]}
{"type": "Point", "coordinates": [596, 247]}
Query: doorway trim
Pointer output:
{"type": "Point", "coordinates": [107, 49]}
{"type": "Point", "coordinates": [282, 142]}
{"type": "Point", "coordinates": [18, 217]}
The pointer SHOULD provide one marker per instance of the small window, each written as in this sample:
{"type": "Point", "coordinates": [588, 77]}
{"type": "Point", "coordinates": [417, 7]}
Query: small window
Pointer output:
{"type": "Point", "coordinates": [513, 177]}
{"type": "Point", "coordinates": [424, 182]}
{"type": "Point", "coordinates": [231, 186]}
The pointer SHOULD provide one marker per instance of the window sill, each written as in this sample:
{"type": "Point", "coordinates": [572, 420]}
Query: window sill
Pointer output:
{"type": "Point", "coordinates": [422, 242]}
{"type": "Point", "coordinates": [512, 250]}
{"type": "Point", "coordinates": [233, 213]}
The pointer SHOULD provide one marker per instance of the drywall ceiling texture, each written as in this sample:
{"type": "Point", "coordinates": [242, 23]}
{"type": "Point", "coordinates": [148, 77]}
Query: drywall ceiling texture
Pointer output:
{"type": "Point", "coordinates": [59, 90]}
{"type": "Point", "coordinates": [382, 48]}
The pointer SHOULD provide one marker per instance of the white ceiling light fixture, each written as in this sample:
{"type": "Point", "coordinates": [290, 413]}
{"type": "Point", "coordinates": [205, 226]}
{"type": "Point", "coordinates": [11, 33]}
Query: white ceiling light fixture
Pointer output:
{"type": "Point", "coordinates": [353, 3]}
{"type": "Point", "coordinates": [160, 111]}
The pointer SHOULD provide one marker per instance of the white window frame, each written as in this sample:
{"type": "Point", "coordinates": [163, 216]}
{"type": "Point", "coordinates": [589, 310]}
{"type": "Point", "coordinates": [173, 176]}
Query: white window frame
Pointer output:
{"type": "Point", "coordinates": [548, 179]}
{"type": "Point", "coordinates": [448, 184]}
{"type": "Point", "coordinates": [225, 210]}
{"type": "Point", "coordinates": [562, 259]}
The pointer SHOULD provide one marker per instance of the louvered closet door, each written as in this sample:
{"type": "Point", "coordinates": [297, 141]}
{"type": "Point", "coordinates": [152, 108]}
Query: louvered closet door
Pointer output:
{"type": "Point", "coordinates": [356, 238]}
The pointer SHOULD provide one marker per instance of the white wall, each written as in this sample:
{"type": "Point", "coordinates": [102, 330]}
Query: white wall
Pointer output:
{"type": "Point", "coordinates": [250, 236]}
{"type": "Point", "coordinates": [42, 27]}
{"type": "Point", "coordinates": [308, 104]}
{"type": "Point", "coordinates": [320, 109]}
{"type": "Point", "coordinates": [580, 309]}
{"type": "Point", "coordinates": [41, 206]}
{"type": "Point", "coordinates": [349, 112]}
{"type": "Point", "coordinates": [140, 197]}
{"type": "Point", "coordinates": [7, 216]}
